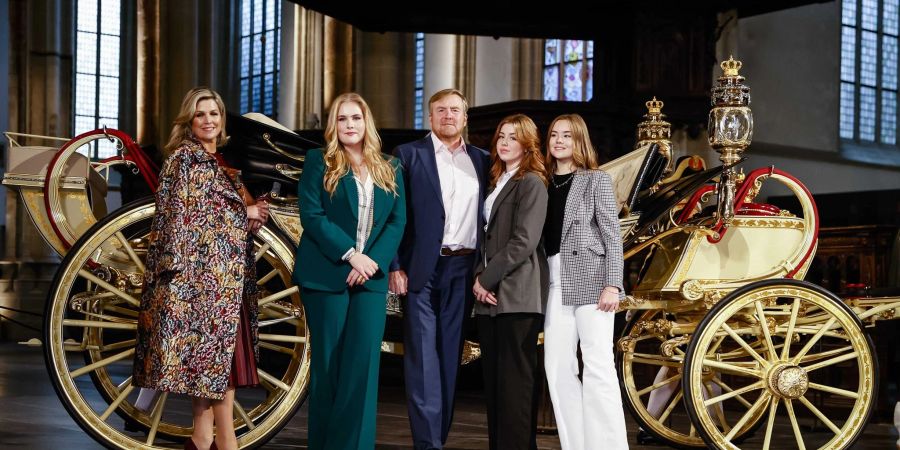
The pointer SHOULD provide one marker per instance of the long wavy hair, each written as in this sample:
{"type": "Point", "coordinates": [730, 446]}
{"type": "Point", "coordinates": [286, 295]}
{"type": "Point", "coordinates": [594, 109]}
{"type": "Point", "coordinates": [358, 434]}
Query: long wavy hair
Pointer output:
{"type": "Point", "coordinates": [337, 164]}
{"type": "Point", "coordinates": [527, 135]}
{"type": "Point", "coordinates": [181, 127]}
{"type": "Point", "coordinates": [583, 153]}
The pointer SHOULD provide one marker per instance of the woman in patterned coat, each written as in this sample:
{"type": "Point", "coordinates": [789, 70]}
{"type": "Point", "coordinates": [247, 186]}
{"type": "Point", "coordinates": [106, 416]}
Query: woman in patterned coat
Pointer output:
{"type": "Point", "coordinates": [584, 251]}
{"type": "Point", "coordinates": [197, 325]}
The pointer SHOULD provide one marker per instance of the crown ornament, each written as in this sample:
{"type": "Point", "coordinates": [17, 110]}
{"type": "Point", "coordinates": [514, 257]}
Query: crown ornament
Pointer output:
{"type": "Point", "coordinates": [654, 107]}
{"type": "Point", "coordinates": [731, 67]}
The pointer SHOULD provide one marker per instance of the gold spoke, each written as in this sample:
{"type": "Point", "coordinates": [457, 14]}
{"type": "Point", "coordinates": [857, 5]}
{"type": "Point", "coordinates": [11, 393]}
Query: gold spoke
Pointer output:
{"type": "Point", "coordinates": [243, 415]}
{"type": "Point", "coordinates": [102, 363]}
{"type": "Point", "coordinates": [819, 414]}
{"type": "Point", "coordinates": [773, 408]}
{"type": "Point", "coordinates": [124, 311]}
{"type": "Point", "coordinates": [760, 402]}
{"type": "Point", "coordinates": [833, 390]}
{"type": "Point", "coordinates": [265, 279]}
{"type": "Point", "coordinates": [797, 434]}
{"type": "Point", "coordinates": [131, 253]}
{"type": "Point", "coordinates": [734, 393]}
{"type": "Point", "coordinates": [157, 415]}
{"type": "Point", "coordinates": [658, 385]}
{"type": "Point", "coordinates": [118, 345]}
{"type": "Point", "coordinates": [819, 356]}
{"type": "Point", "coordinates": [262, 251]}
{"type": "Point", "coordinates": [272, 380]}
{"type": "Point", "coordinates": [786, 350]}
{"type": "Point", "coordinates": [278, 295]}
{"type": "Point", "coordinates": [761, 315]}
{"type": "Point", "coordinates": [732, 369]}
{"type": "Point", "coordinates": [831, 361]}
{"type": "Point", "coordinates": [715, 346]}
{"type": "Point", "coordinates": [745, 345]}
{"type": "Point", "coordinates": [282, 338]}
{"type": "Point", "coordinates": [655, 362]}
{"type": "Point", "coordinates": [806, 348]}
{"type": "Point", "coordinates": [115, 404]}
{"type": "Point", "coordinates": [277, 348]}
{"type": "Point", "coordinates": [96, 324]}
{"type": "Point", "coordinates": [728, 388]}
{"type": "Point", "coordinates": [675, 400]}
{"type": "Point", "coordinates": [89, 276]}
{"type": "Point", "coordinates": [719, 413]}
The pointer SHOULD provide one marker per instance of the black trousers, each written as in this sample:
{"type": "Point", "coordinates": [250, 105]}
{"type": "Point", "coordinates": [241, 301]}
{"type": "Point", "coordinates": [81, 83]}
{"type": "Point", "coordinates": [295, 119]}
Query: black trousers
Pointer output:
{"type": "Point", "coordinates": [509, 358]}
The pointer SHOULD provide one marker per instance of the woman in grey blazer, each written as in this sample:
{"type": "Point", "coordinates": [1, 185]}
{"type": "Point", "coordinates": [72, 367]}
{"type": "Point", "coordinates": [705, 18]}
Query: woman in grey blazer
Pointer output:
{"type": "Point", "coordinates": [511, 283]}
{"type": "Point", "coordinates": [584, 249]}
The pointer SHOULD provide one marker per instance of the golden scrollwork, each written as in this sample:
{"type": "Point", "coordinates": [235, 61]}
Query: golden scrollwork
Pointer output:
{"type": "Point", "coordinates": [668, 347]}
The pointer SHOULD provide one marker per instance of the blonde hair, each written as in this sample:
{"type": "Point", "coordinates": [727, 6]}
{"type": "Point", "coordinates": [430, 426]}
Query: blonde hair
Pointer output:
{"type": "Point", "coordinates": [336, 162]}
{"type": "Point", "coordinates": [181, 129]}
{"type": "Point", "coordinates": [439, 95]}
{"type": "Point", "coordinates": [527, 135]}
{"type": "Point", "coordinates": [583, 154]}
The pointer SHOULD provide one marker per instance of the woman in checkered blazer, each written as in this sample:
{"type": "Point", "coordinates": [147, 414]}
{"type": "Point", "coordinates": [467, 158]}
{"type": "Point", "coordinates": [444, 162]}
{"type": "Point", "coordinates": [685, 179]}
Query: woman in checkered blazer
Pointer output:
{"type": "Point", "coordinates": [584, 251]}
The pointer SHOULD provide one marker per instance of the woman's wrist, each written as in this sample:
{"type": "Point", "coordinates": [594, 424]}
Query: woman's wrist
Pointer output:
{"type": "Point", "coordinates": [613, 289]}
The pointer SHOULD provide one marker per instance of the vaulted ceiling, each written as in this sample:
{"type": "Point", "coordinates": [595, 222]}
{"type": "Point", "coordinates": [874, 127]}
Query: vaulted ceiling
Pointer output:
{"type": "Point", "coordinates": [573, 19]}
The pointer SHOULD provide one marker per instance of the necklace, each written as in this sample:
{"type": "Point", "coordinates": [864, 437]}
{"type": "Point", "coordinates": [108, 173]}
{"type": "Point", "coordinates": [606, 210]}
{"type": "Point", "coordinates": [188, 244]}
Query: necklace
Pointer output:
{"type": "Point", "coordinates": [568, 176]}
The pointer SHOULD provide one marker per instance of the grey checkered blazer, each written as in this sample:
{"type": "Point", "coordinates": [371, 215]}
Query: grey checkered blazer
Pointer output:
{"type": "Point", "coordinates": [590, 248]}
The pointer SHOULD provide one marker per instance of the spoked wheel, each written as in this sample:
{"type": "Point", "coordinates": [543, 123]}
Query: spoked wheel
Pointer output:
{"type": "Point", "coordinates": [89, 330]}
{"type": "Point", "coordinates": [806, 364]}
{"type": "Point", "coordinates": [650, 364]}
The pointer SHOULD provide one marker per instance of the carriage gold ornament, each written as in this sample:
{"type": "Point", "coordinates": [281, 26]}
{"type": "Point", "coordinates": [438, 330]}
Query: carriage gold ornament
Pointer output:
{"type": "Point", "coordinates": [655, 129]}
{"type": "Point", "coordinates": [730, 130]}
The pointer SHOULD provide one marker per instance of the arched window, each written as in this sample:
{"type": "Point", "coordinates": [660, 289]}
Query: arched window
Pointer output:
{"type": "Point", "coordinates": [96, 61]}
{"type": "Point", "coordinates": [260, 51]}
{"type": "Point", "coordinates": [868, 104]}
{"type": "Point", "coordinates": [568, 70]}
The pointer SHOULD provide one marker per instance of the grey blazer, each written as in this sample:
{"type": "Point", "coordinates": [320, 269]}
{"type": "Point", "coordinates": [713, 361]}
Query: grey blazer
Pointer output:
{"type": "Point", "coordinates": [513, 263]}
{"type": "Point", "coordinates": [590, 248]}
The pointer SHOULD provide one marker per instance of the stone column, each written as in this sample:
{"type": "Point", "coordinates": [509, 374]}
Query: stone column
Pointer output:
{"type": "Point", "coordinates": [386, 76]}
{"type": "Point", "coordinates": [527, 74]}
{"type": "Point", "coordinates": [300, 105]}
{"type": "Point", "coordinates": [440, 63]}
{"type": "Point", "coordinates": [338, 61]}
{"type": "Point", "coordinates": [148, 70]}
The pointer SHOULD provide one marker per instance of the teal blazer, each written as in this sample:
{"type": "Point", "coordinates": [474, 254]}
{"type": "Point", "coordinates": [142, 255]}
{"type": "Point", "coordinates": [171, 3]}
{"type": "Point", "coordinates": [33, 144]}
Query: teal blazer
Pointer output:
{"type": "Point", "coordinates": [329, 228]}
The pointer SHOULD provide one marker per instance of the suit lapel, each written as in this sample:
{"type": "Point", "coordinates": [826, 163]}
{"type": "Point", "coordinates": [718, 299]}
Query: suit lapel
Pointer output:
{"type": "Point", "coordinates": [507, 188]}
{"type": "Point", "coordinates": [429, 163]}
{"type": "Point", "coordinates": [349, 186]}
{"type": "Point", "coordinates": [573, 201]}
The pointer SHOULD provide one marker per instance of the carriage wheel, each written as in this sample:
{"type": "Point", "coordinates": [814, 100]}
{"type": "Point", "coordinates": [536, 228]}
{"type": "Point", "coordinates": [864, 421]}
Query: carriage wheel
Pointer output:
{"type": "Point", "coordinates": [650, 364]}
{"type": "Point", "coordinates": [805, 359]}
{"type": "Point", "coordinates": [89, 330]}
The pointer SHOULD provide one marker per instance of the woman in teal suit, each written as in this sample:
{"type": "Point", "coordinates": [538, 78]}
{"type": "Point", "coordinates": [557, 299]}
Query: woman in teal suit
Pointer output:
{"type": "Point", "coordinates": [353, 213]}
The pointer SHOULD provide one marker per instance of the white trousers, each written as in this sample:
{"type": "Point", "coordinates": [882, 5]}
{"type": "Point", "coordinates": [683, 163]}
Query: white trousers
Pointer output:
{"type": "Point", "coordinates": [589, 414]}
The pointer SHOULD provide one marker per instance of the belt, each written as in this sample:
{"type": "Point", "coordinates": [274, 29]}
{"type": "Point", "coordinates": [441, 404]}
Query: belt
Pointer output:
{"type": "Point", "coordinates": [445, 251]}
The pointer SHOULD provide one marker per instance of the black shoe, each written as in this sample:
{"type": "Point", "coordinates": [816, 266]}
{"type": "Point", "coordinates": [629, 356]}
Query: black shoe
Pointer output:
{"type": "Point", "coordinates": [645, 438]}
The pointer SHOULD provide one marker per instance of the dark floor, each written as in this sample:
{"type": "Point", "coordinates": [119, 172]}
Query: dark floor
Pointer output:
{"type": "Point", "coordinates": [31, 416]}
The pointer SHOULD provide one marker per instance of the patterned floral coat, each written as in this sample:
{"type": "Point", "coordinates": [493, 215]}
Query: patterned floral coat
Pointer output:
{"type": "Point", "coordinates": [200, 268]}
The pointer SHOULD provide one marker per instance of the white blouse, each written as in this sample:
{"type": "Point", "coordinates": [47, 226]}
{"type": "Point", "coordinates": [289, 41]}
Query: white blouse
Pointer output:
{"type": "Point", "coordinates": [489, 201]}
{"type": "Point", "coordinates": [366, 208]}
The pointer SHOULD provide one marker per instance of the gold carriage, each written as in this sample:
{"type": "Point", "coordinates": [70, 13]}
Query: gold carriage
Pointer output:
{"type": "Point", "coordinates": [722, 336]}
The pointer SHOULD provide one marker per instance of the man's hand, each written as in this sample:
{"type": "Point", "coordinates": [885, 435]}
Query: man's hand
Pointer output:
{"type": "Point", "coordinates": [397, 282]}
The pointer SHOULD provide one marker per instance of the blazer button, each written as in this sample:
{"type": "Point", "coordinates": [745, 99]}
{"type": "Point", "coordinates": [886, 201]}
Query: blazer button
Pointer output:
{"type": "Point", "coordinates": [574, 252]}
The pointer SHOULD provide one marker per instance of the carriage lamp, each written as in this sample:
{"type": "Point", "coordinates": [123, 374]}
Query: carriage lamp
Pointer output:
{"type": "Point", "coordinates": [730, 130]}
{"type": "Point", "coordinates": [656, 129]}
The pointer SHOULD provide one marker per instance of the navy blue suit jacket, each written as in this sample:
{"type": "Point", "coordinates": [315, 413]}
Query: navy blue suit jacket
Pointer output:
{"type": "Point", "coordinates": [420, 247]}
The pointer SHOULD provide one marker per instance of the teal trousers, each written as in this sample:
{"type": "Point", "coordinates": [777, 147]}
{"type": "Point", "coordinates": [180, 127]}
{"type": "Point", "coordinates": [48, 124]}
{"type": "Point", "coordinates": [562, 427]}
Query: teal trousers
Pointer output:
{"type": "Point", "coordinates": [346, 330]}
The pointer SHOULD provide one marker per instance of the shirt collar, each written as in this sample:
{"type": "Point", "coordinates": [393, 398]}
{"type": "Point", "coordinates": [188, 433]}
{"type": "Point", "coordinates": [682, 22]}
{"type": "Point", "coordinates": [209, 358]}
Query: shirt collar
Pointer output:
{"type": "Point", "coordinates": [439, 146]}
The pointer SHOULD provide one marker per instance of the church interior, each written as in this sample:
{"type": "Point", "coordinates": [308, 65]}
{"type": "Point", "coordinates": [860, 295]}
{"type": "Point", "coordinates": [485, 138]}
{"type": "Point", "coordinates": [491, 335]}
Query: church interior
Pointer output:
{"type": "Point", "coordinates": [823, 90]}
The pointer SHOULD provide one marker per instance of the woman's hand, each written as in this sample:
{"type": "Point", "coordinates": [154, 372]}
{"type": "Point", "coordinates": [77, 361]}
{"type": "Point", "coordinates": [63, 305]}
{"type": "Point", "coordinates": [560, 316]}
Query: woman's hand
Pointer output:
{"type": "Point", "coordinates": [482, 294]}
{"type": "Point", "coordinates": [363, 265]}
{"type": "Point", "coordinates": [257, 215]}
{"type": "Point", "coordinates": [609, 299]}
{"type": "Point", "coordinates": [355, 278]}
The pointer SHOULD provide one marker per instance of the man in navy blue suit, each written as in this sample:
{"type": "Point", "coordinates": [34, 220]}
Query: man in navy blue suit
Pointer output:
{"type": "Point", "coordinates": [445, 187]}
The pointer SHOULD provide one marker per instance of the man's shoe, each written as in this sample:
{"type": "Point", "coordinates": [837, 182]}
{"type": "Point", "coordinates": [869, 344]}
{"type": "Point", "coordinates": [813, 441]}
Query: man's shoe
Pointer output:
{"type": "Point", "coordinates": [645, 438]}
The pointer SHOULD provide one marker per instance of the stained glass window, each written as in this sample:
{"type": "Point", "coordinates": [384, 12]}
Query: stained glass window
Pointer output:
{"type": "Point", "coordinates": [260, 55]}
{"type": "Point", "coordinates": [96, 86]}
{"type": "Point", "coordinates": [418, 113]}
{"type": "Point", "coordinates": [568, 70]}
{"type": "Point", "coordinates": [869, 45]}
